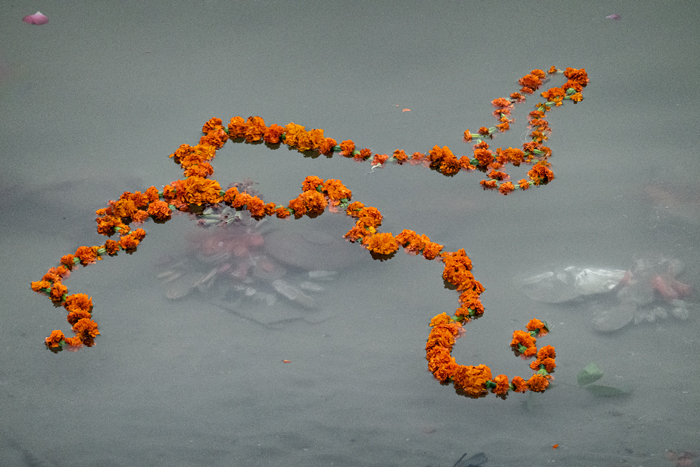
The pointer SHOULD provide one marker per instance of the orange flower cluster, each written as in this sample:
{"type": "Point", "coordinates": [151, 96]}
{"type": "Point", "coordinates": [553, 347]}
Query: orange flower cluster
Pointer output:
{"type": "Point", "coordinates": [197, 191]}
{"type": "Point", "coordinates": [476, 381]}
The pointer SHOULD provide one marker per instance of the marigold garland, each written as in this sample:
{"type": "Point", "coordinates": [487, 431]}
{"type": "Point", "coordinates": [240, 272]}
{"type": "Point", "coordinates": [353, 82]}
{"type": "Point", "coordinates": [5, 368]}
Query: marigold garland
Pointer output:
{"type": "Point", "coordinates": [196, 192]}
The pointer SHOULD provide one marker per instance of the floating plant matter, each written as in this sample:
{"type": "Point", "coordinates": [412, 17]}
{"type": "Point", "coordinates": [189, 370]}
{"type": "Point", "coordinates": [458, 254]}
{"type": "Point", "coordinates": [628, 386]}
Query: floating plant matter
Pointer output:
{"type": "Point", "coordinates": [201, 195]}
{"type": "Point", "coordinates": [647, 291]}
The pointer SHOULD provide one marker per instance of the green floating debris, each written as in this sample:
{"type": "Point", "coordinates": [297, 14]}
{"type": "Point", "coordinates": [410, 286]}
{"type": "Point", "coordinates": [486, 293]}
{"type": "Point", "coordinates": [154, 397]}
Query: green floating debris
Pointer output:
{"type": "Point", "coordinates": [600, 390]}
{"type": "Point", "coordinates": [589, 374]}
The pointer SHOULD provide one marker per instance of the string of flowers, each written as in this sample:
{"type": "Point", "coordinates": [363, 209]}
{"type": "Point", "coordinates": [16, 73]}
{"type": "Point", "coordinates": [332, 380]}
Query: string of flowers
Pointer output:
{"type": "Point", "coordinates": [196, 192]}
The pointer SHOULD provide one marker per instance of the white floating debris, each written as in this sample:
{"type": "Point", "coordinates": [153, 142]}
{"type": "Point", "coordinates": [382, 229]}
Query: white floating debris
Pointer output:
{"type": "Point", "coordinates": [323, 275]}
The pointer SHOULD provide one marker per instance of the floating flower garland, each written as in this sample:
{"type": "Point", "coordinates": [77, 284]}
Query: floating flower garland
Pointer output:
{"type": "Point", "coordinates": [197, 192]}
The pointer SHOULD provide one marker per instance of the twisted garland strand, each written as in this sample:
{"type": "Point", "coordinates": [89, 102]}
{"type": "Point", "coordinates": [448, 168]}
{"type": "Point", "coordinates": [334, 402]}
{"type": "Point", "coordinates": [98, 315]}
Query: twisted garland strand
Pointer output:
{"type": "Point", "coordinates": [197, 192]}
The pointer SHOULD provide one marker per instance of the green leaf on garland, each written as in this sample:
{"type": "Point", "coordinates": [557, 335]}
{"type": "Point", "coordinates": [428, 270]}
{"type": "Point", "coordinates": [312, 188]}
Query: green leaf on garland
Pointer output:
{"type": "Point", "coordinates": [589, 374]}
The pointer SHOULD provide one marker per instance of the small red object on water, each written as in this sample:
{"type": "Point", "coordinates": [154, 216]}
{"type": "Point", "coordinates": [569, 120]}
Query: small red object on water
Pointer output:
{"type": "Point", "coordinates": [555, 446]}
{"type": "Point", "coordinates": [36, 18]}
{"type": "Point", "coordinates": [286, 361]}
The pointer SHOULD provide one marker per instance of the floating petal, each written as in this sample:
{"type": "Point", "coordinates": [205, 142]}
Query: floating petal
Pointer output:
{"type": "Point", "coordinates": [614, 17]}
{"type": "Point", "coordinates": [37, 18]}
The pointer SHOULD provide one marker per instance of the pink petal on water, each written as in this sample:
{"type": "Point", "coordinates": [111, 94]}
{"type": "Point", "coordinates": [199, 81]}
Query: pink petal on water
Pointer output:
{"type": "Point", "coordinates": [614, 17]}
{"type": "Point", "coordinates": [36, 18]}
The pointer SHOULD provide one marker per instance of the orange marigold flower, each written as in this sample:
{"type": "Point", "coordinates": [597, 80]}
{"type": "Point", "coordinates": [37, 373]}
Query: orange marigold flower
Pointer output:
{"type": "Point", "coordinates": [254, 129]}
{"type": "Point", "coordinates": [241, 200]}
{"type": "Point", "coordinates": [139, 217]}
{"type": "Point", "coordinates": [548, 363]}
{"type": "Point", "coordinates": [112, 247]}
{"type": "Point", "coordinates": [273, 133]}
{"type": "Point", "coordinates": [554, 93]}
{"type": "Point", "coordinates": [524, 184]}
{"type": "Point", "coordinates": [483, 131]}
{"type": "Point", "coordinates": [517, 98]}
{"type": "Point", "coordinates": [502, 386]}
{"type": "Point", "coordinates": [216, 138]}
{"type": "Point", "coordinates": [61, 271]}
{"type": "Point", "coordinates": [441, 336]}
{"type": "Point", "coordinates": [128, 242]}
{"type": "Point", "coordinates": [106, 225]}
{"type": "Point", "coordinates": [579, 76]}
{"type": "Point", "coordinates": [355, 234]}
{"type": "Point", "coordinates": [536, 325]}
{"type": "Point", "coordinates": [316, 138]}
{"type": "Point", "coordinates": [501, 102]}
{"type": "Point", "coordinates": [450, 165]}
{"type": "Point", "coordinates": [540, 174]}
{"type": "Point", "coordinates": [230, 195]}
{"type": "Point", "coordinates": [364, 154]}
{"type": "Point", "coordinates": [546, 352]}
{"type": "Point", "coordinates": [327, 146]}
{"type": "Point", "coordinates": [347, 148]}
{"type": "Point", "coordinates": [529, 83]}
{"type": "Point", "coordinates": [400, 156]}
{"type": "Point", "coordinates": [86, 328]}
{"type": "Point", "coordinates": [369, 217]}
{"type": "Point", "coordinates": [75, 316]}
{"type": "Point", "coordinates": [506, 188]}
{"type": "Point", "coordinates": [54, 340]}
{"type": "Point", "coordinates": [282, 213]}
{"type": "Point", "coordinates": [380, 159]}
{"type": "Point", "coordinates": [58, 290]}
{"type": "Point", "coordinates": [201, 169]}
{"type": "Point", "coordinates": [270, 209]}
{"type": "Point", "coordinates": [51, 277]}
{"type": "Point", "coordinates": [442, 318]}
{"type": "Point", "coordinates": [495, 174]}
{"type": "Point", "coordinates": [457, 259]}
{"type": "Point", "coordinates": [437, 153]}
{"type": "Point", "coordinates": [78, 301]}
{"type": "Point", "coordinates": [470, 298]}
{"type": "Point", "coordinates": [382, 243]}
{"type": "Point", "coordinates": [519, 384]}
{"type": "Point", "coordinates": [472, 379]}
{"type": "Point", "coordinates": [467, 136]}
{"type": "Point", "coordinates": [311, 182]}
{"type": "Point", "coordinates": [37, 286]}
{"type": "Point", "coordinates": [336, 190]}
{"type": "Point", "coordinates": [515, 155]}
{"type": "Point", "coordinates": [445, 371]}
{"type": "Point", "coordinates": [295, 136]}
{"type": "Point", "coordinates": [86, 255]}
{"type": "Point", "coordinates": [410, 240]}
{"type": "Point", "coordinates": [537, 383]}
{"type": "Point", "coordinates": [199, 191]}
{"type": "Point", "coordinates": [236, 128]}
{"type": "Point", "coordinates": [354, 209]}
{"type": "Point", "coordinates": [523, 338]}
{"type": "Point", "coordinates": [211, 124]}
{"type": "Point", "coordinates": [256, 207]}
{"type": "Point", "coordinates": [484, 156]}
{"type": "Point", "coordinates": [159, 210]}
{"type": "Point", "coordinates": [311, 203]}
{"type": "Point", "coordinates": [503, 127]}
{"type": "Point", "coordinates": [68, 261]}
{"type": "Point", "coordinates": [440, 358]}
